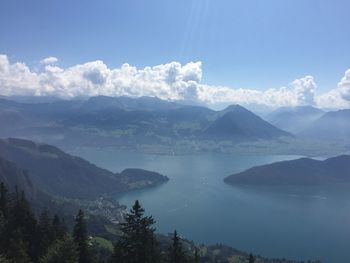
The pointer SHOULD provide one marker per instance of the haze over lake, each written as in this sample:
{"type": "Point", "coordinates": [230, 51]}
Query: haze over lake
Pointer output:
{"type": "Point", "coordinates": [293, 222]}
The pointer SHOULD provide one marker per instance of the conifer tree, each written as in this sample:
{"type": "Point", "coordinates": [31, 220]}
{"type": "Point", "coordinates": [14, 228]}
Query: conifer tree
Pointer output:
{"type": "Point", "coordinates": [196, 256]}
{"type": "Point", "coordinates": [58, 227]}
{"type": "Point", "coordinates": [3, 200]}
{"type": "Point", "coordinates": [251, 258]}
{"type": "Point", "coordinates": [17, 250]}
{"type": "Point", "coordinates": [62, 250]}
{"type": "Point", "coordinates": [176, 253]}
{"type": "Point", "coordinates": [81, 238]}
{"type": "Point", "coordinates": [4, 237]}
{"type": "Point", "coordinates": [45, 232]}
{"type": "Point", "coordinates": [23, 225]}
{"type": "Point", "coordinates": [138, 243]}
{"type": "Point", "coordinates": [3, 259]}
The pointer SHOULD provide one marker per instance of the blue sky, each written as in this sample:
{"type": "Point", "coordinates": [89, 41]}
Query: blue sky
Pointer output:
{"type": "Point", "coordinates": [241, 44]}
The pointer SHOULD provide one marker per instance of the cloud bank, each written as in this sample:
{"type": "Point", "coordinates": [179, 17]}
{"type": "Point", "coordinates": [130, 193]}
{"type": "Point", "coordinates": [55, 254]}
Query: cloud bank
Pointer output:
{"type": "Point", "coordinates": [171, 81]}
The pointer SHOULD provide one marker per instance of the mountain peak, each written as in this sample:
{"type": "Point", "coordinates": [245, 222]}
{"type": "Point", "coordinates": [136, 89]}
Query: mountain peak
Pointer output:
{"type": "Point", "coordinates": [234, 107]}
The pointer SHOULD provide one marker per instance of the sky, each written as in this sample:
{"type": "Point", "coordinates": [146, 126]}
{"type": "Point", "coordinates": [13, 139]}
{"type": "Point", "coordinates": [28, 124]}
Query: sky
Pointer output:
{"type": "Point", "coordinates": [271, 52]}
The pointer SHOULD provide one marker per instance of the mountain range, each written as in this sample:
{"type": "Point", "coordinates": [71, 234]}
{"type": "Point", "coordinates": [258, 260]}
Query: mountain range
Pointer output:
{"type": "Point", "coordinates": [130, 122]}
{"type": "Point", "coordinates": [333, 125]}
{"type": "Point", "coordinates": [294, 119]}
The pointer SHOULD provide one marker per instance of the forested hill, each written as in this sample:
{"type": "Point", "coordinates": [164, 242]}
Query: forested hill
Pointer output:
{"type": "Point", "coordinates": [14, 177]}
{"type": "Point", "coordinates": [304, 171]}
{"type": "Point", "coordinates": [61, 174]}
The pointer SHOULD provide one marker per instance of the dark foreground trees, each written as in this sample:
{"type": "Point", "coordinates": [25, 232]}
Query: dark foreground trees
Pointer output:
{"type": "Point", "coordinates": [137, 243]}
{"type": "Point", "coordinates": [176, 253]}
{"type": "Point", "coordinates": [26, 239]}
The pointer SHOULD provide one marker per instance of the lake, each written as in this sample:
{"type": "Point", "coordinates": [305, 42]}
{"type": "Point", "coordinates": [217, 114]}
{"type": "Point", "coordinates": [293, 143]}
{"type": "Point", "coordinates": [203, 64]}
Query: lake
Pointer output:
{"type": "Point", "coordinates": [291, 222]}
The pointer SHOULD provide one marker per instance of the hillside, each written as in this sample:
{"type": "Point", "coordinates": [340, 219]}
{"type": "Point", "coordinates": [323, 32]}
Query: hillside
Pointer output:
{"type": "Point", "coordinates": [13, 177]}
{"type": "Point", "coordinates": [294, 119]}
{"type": "Point", "coordinates": [302, 171]}
{"type": "Point", "coordinates": [334, 125]}
{"type": "Point", "coordinates": [59, 173]}
{"type": "Point", "coordinates": [237, 123]}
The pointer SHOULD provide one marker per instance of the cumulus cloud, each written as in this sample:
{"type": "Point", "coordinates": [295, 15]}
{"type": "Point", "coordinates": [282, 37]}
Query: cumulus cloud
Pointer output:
{"type": "Point", "coordinates": [171, 81]}
{"type": "Point", "coordinates": [344, 86]}
{"type": "Point", "coordinates": [299, 92]}
{"type": "Point", "coordinates": [48, 60]}
{"type": "Point", "coordinates": [338, 97]}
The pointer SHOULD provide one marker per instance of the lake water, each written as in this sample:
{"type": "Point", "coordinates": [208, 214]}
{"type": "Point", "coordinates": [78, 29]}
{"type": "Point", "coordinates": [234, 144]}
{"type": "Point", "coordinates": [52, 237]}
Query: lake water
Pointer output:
{"type": "Point", "coordinates": [290, 222]}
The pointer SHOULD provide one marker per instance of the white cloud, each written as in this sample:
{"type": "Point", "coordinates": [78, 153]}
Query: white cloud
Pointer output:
{"type": "Point", "coordinates": [49, 60]}
{"type": "Point", "coordinates": [344, 86]}
{"type": "Point", "coordinates": [171, 81]}
{"type": "Point", "coordinates": [338, 97]}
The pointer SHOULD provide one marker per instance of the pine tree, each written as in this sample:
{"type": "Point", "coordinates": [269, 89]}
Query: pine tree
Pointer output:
{"type": "Point", "coordinates": [62, 250]}
{"type": "Point", "coordinates": [3, 237]}
{"type": "Point", "coordinates": [251, 258]}
{"type": "Point", "coordinates": [17, 250]}
{"type": "Point", "coordinates": [138, 243]}
{"type": "Point", "coordinates": [45, 232]}
{"type": "Point", "coordinates": [176, 253]}
{"type": "Point", "coordinates": [23, 225]}
{"type": "Point", "coordinates": [81, 238]}
{"type": "Point", "coordinates": [3, 200]}
{"type": "Point", "coordinates": [3, 259]}
{"type": "Point", "coordinates": [196, 256]}
{"type": "Point", "coordinates": [58, 227]}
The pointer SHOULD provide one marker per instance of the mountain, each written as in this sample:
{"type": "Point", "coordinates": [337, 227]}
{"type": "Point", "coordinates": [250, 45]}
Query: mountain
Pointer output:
{"type": "Point", "coordinates": [334, 125]}
{"type": "Point", "coordinates": [12, 176]}
{"type": "Point", "coordinates": [130, 123]}
{"type": "Point", "coordinates": [304, 171]}
{"type": "Point", "coordinates": [294, 119]}
{"type": "Point", "coordinates": [61, 174]}
{"type": "Point", "coordinates": [237, 123]}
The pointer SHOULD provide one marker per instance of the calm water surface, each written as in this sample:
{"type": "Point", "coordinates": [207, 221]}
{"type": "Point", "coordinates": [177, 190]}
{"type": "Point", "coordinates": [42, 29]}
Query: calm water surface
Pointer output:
{"type": "Point", "coordinates": [291, 222]}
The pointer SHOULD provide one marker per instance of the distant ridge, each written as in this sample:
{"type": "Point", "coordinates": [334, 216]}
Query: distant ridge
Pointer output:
{"type": "Point", "coordinates": [334, 125]}
{"type": "Point", "coordinates": [304, 171]}
{"type": "Point", "coordinates": [61, 174]}
{"type": "Point", "coordinates": [131, 122]}
{"type": "Point", "coordinates": [294, 119]}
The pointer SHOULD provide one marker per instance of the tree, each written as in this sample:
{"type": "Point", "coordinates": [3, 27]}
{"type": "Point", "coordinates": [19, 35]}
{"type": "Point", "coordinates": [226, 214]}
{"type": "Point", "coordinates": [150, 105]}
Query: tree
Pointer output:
{"type": "Point", "coordinates": [45, 232]}
{"type": "Point", "coordinates": [137, 243]}
{"type": "Point", "coordinates": [17, 250]}
{"type": "Point", "coordinates": [196, 256]}
{"type": "Point", "coordinates": [3, 200]}
{"type": "Point", "coordinates": [81, 238]}
{"type": "Point", "coordinates": [3, 239]}
{"type": "Point", "coordinates": [22, 226]}
{"type": "Point", "coordinates": [3, 259]}
{"type": "Point", "coordinates": [176, 253]}
{"type": "Point", "coordinates": [251, 258]}
{"type": "Point", "coordinates": [62, 250]}
{"type": "Point", "coordinates": [58, 227]}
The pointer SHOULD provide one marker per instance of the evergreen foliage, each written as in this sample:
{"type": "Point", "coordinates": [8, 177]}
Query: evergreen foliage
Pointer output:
{"type": "Point", "coordinates": [251, 258]}
{"type": "Point", "coordinates": [176, 253]}
{"type": "Point", "coordinates": [23, 237]}
{"type": "Point", "coordinates": [81, 238]}
{"type": "Point", "coordinates": [138, 243]}
{"type": "Point", "coordinates": [62, 250]}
